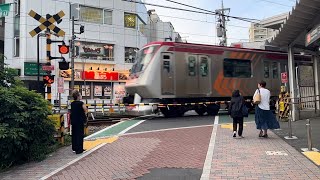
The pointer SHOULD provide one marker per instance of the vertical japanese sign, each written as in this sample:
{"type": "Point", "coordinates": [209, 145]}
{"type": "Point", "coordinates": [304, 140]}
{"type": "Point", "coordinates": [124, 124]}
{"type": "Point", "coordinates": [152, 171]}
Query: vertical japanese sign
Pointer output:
{"type": "Point", "coordinates": [60, 85]}
{"type": "Point", "coordinates": [4, 10]}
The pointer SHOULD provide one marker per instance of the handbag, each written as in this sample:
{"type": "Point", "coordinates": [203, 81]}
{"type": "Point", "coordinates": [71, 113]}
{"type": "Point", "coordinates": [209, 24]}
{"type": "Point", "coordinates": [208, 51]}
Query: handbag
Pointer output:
{"type": "Point", "coordinates": [257, 97]}
{"type": "Point", "coordinates": [244, 111]}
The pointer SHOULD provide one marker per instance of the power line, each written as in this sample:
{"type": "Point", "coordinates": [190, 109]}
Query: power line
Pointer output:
{"type": "Point", "coordinates": [199, 12]}
{"type": "Point", "coordinates": [215, 13]}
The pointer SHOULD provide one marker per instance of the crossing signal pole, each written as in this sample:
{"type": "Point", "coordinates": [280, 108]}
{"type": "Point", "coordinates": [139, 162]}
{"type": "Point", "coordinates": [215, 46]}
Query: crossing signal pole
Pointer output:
{"type": "Point", "coordinates": [221, 26]}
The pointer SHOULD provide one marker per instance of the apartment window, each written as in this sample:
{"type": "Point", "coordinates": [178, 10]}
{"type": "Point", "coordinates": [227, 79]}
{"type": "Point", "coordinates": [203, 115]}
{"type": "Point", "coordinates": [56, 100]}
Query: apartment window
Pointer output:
{"type": "Point", "coordinates": [16, 29]}
{"type": "Point", "coordinates": [266, 70]}
{"type": "Point", "coordinates": [130, 54]}
{"type": "Point", "coordinates": [130, 20]}
{"type": "Point", "coordinates": [16, 46]}
{"type": "Point", "coordinates": [107, 16]}
{"type": "Point", "coordinates": [91, 14]}
{"type": "Point", "coordinates": [275, 72]}
{"type": "Point", "coordinates": [17, 7]}
{"type": "Point", "coordinates": [237, 68]}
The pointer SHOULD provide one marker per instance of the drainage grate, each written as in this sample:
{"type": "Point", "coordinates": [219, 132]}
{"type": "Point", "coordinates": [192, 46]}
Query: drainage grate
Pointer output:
{"type": "Point", "coordinates": [276, 153]}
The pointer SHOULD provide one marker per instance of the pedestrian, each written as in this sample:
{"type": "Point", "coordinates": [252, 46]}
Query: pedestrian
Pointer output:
{"type": "Point", "coordinates": [78, 119]}
{"type": "Point", "coordinates": [264, 117]}
{"type": "Point", "coordinates": [235, 111]}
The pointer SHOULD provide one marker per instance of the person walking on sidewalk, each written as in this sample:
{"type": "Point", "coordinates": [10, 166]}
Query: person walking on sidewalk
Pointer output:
{"type": "Point", "coordinates": [264, 117]}
{"type": "Point", "coordinates": [235, 111]}
{"type": "Point", "coordinates": [78, 118]}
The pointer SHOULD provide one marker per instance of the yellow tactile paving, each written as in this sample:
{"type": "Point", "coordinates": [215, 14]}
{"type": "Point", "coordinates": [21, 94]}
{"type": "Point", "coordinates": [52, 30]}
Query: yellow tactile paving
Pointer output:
{"type": "Point", "coordinates": [91, 144]}
{"type": "Point", "coordinates": [229, 126]}
{"type": "Point", "coordinates": [313, 156]}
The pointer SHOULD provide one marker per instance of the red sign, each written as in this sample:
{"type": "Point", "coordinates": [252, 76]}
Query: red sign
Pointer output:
{"type": "Point", "coordinates": [60, 85]}
{"type": "Point", "coordinates": [91, 75]}
{"type": "Point", "coordinates": [284, 77]}
{"type": "Point", "coordinates": [47, 68]}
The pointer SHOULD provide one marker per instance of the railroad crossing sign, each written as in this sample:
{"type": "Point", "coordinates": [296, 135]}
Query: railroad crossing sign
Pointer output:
{"type": "Point", "coordinates": [47, 23]}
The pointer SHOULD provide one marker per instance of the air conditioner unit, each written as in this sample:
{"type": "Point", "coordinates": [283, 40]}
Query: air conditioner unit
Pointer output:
{"type": "Point", "coordinates": [75, 11]}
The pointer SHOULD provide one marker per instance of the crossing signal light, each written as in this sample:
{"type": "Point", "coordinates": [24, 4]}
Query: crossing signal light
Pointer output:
{"type": "Point", "coordinates": [63, 49]}
{"type": "Point", "coordinates": [81, 29]}
{"type": "Point", "coordinates": [48, 79]}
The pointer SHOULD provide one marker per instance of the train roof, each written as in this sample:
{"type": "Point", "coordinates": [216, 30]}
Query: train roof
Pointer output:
{"type": "Point", "coordinates": [272, 54]}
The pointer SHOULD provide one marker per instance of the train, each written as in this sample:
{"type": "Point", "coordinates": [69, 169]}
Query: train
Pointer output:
{"type": "Point", "coordinates": [182, 73]}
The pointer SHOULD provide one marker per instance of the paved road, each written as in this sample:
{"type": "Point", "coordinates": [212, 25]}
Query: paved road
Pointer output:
{"type": "Point", "coordinates": [178, 148]}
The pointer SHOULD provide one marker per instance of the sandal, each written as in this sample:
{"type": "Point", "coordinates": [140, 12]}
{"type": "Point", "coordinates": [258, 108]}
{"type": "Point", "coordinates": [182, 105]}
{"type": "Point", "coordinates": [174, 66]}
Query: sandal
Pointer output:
{"type": "Point", "coordinates": [260, 134]}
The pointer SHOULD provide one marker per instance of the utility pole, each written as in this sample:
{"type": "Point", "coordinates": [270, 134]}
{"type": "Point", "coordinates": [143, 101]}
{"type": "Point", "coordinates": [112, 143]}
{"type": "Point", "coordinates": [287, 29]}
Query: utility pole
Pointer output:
{"type": "Point", "coordinates": [73, 37]}
{"type": "Point", "coordinates": [221, 26]}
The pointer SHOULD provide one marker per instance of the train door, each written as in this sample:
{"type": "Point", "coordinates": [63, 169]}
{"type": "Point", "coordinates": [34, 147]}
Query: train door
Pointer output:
{"type": "Point", "coordinates": [198, 74]}
{"type": "Point", "coordinates": [167, 74]}
{"type": "Point", "coordinates": [267, 74]}
{"type": "Point", "coordinates": [275, 76]}
{"type": "Point", "coordinates": [204, 75]}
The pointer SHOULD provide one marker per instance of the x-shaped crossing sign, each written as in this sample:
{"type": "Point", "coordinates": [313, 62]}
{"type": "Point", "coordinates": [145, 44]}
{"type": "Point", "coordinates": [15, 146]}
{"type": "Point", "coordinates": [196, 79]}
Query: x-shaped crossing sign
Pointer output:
{"type": "Point", "coordinates": [47, 23]}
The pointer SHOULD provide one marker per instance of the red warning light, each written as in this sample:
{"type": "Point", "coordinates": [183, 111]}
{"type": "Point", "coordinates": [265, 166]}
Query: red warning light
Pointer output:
{"type": "Point", "coordinates": [63, 49]}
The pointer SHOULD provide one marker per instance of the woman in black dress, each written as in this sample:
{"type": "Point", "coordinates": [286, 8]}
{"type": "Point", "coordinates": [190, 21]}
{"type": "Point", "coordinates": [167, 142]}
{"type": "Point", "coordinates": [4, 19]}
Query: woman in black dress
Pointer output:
{"type": "Point", "coordinates": [78, 118]}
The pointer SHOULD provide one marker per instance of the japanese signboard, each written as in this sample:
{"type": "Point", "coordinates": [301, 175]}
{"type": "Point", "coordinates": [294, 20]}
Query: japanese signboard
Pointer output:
{"type": "Point", "coordinates": [313, 35]}
{"type": "Point", "coordinates": [284, 77]}
{"type": "Point", "coordinates": [4, 10]}
{"type": "Point", "coordinates": [31, 69]}
{"type": "Point", "coordinates": [60, 85]}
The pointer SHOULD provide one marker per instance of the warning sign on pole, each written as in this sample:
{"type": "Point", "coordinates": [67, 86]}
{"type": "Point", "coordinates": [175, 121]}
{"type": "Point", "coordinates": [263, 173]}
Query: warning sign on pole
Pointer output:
{"type": "Point", "coordinates": [60, 85]}
{"type": "Point", "coordinates": [284, 77]}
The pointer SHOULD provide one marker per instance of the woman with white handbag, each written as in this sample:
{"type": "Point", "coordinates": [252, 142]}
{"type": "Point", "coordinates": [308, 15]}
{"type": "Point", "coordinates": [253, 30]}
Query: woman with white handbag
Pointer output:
{"type": "Point", "coordinates": [264, 117]}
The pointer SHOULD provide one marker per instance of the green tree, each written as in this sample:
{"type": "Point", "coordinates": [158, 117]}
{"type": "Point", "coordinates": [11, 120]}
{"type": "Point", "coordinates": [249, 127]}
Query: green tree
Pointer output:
{"type": "Point", "coordinates": [26, 133]}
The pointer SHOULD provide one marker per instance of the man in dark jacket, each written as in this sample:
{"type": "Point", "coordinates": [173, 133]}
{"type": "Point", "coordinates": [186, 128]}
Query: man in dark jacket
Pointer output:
{"type": "Point", "coordinates": [235, 111]}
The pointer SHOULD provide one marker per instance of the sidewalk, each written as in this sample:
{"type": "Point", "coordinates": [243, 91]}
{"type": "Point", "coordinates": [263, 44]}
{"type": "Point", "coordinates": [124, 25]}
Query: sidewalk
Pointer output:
{"type": "Point", "coordinates": [180, 153]}
{"type": "Point", "coordinates": [258, 158]}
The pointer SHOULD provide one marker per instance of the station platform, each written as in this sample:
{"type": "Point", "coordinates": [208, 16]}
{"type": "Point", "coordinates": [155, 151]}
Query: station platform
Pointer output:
{"type": "Point", "coordinates": [190, 147]}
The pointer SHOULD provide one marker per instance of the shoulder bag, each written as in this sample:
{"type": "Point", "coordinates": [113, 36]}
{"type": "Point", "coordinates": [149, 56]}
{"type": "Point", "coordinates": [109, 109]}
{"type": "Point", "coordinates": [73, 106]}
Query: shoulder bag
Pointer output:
{"type": "Point", "coordinates": [257, 97]}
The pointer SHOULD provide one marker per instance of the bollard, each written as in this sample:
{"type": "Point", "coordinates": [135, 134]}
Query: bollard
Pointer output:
{"type": "Point", "coordinates": [95, 107]}
{"type": "Point", "coordinates": [289, 125]}
{"type": "Point", "coordinates": [309, 135]}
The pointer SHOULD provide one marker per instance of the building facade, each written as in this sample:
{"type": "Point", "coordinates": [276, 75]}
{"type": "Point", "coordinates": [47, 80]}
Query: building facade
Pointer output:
{"type": "Point", "coordinates": [114, 31]}
{"type": "Point", "coordinates": [266, 28]}
{"type": "Point", "coordinates": [157, 30]}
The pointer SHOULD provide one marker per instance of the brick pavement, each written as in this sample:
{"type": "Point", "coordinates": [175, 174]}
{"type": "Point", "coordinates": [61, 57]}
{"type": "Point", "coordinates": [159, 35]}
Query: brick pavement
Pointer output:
{"type": "Point", "coordinates": [133, 156]}
{"type": "Point", "coordinates": [36, 170]}
{"type": "Point", "coordinates": [247, 158]}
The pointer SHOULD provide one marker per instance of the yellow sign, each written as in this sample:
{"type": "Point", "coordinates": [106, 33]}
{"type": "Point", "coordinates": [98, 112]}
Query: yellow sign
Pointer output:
{"type": "Point", "coordinates": [281, 106]}
{"type": "Point", "coordinates": [56, 120]}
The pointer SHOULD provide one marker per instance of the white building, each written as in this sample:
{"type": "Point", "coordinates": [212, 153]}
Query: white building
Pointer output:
{"type": "Point", "coordinates": [114, 30]}
{"type": "Point", "coordinates": [266, 28]}
{"type": "Point", "coordinates": [157, 30]}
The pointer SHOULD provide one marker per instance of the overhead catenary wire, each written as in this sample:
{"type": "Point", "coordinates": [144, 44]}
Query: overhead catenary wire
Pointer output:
{"type": "Point", "coordinates": [193, 11]}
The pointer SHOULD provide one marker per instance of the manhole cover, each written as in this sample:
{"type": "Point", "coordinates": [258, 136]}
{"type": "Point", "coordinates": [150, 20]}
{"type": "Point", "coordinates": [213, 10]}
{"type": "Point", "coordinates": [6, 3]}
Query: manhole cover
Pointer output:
{"type": "Point", "coordinates": [276, 153]}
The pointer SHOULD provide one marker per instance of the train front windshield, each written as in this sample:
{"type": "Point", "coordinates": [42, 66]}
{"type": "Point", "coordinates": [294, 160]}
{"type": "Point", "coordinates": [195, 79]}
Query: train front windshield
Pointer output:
{"type": "Point", "coordinates": [143, 58]}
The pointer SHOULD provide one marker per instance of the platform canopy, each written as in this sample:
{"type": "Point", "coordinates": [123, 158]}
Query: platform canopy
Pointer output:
{"type": "Point", "coordinates": [301, 25]}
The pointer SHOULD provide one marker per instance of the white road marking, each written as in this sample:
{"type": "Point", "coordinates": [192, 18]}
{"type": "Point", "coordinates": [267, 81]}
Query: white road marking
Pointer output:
{"type": "Point", "coordinates": [208, 162]}
{"type": "Point", "coordinates": [169, 129]}
{"type": "Point", "coordinates": [130, 127]}
{"type": "Point", "coordinates": [73, 161]}
{"type": "Point", "coordinates": [98, 132]}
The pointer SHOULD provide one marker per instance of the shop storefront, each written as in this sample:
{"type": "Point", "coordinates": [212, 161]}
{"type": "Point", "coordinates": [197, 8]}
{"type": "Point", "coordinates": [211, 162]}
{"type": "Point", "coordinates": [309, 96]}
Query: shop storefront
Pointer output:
{"type": "Point", "coordinates": [98, 84]}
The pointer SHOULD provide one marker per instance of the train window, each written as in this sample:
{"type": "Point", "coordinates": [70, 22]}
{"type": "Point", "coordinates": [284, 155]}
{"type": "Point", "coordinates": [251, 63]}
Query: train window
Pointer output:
{"type": "Point", "coordinates": [266, 70]}
{"type": "Point", "coordinates": [237, 68]}
{"type": "Point", "coordinates": [204, 66]}
{"type": "Point", "coordinates": [275, 72]}
{"type": "Point", "coordinates": [192, 65]}
{"type": "Point", "coordinates": [166, 57]}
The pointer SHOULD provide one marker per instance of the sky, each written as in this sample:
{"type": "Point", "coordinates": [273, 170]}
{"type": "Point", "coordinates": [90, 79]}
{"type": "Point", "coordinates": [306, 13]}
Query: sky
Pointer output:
{"type": "Point", "coordinates": [201, 28]}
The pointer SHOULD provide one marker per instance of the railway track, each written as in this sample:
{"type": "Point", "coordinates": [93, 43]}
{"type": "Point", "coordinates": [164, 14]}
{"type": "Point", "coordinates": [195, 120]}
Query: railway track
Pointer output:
{"type": "Point", "coordinates": [107, 120]}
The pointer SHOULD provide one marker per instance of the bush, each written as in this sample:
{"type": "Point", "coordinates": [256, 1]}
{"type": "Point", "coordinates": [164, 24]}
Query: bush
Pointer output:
{"type": "Point", "coordinates": [25, 131]}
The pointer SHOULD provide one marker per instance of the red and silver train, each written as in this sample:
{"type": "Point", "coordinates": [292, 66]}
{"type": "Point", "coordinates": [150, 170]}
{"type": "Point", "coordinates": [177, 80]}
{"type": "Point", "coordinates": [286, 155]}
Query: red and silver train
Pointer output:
{"type": "Point", "coordinates": [174, 72]}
